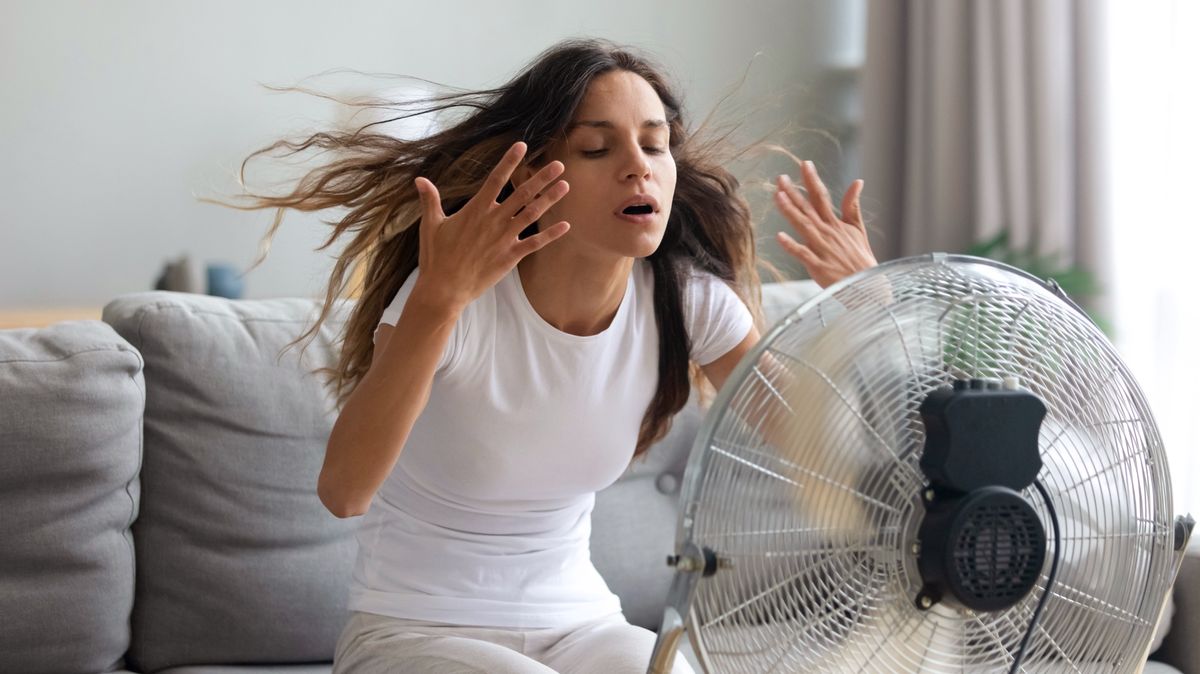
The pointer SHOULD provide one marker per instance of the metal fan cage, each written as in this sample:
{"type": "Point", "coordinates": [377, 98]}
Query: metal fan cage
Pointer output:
{"type": "Point", "coordinates": [805, 483]}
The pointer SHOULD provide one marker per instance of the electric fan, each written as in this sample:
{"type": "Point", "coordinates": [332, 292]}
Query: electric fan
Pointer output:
{"type": "Point", "coordinates": [936, 465]}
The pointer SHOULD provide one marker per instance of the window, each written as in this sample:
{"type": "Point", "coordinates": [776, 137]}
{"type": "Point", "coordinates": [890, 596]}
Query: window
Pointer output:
{"type": "Point", "coordinates": [1154, 104]}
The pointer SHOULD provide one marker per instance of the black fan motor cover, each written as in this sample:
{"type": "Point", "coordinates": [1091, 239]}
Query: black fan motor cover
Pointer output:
{"type": "Point", "coordinates": [986, 549]}
{"type": "Point", "coordinates": [981, 541]}
{"type": "Point", "coordinates": [978, 434]}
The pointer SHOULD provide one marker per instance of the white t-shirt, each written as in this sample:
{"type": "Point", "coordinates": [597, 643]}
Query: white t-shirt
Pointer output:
{"type": "Point", "coordinates": [485, 519]}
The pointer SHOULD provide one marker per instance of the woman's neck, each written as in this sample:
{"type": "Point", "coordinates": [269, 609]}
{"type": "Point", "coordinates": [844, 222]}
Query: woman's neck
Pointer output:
{"type": "Point", "coordinates": [576, 294]}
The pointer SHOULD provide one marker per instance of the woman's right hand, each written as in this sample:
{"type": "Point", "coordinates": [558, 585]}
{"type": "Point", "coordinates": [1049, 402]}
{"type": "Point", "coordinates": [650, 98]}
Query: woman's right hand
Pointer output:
{"type": "Point", "coordinates": [463, 255]}
{"type": "Point", "coordinates": [835, 246]}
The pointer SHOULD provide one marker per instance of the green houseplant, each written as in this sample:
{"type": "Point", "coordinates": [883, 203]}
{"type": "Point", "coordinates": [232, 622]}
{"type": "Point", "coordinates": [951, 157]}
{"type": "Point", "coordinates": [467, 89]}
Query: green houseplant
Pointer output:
{"type": "Point", "coordinates": [1079, 283]}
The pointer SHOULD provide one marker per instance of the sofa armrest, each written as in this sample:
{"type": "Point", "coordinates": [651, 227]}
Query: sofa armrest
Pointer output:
{"type": "Point", "coordinates": [1181, 647]}
{"type": "Point", "coordinates": [781, 299]}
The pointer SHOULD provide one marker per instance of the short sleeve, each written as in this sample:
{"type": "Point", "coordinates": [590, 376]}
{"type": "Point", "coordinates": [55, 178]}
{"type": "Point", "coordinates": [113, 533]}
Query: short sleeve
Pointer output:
{"type": "Point", "coordinates": [717, 319]}
{"type": "Point", "coordinates": [391, 315]}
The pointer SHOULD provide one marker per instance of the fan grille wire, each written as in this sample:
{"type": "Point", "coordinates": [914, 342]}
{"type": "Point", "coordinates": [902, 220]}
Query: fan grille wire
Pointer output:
{"type": "Point", "coordinates": [810, 484]}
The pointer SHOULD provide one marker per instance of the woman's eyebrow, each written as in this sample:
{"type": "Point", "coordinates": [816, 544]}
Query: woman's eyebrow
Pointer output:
{"type": "Point", "coordinates": [605, 124]}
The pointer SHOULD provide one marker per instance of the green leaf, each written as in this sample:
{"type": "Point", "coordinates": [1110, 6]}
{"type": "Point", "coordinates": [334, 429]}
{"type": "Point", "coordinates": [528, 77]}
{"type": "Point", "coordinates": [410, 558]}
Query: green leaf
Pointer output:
{"type": "Point", "coordinates": [1074, 280]}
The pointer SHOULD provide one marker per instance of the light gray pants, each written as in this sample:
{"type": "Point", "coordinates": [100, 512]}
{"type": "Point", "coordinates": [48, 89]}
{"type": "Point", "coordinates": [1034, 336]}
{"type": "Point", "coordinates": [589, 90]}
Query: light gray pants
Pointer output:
{"type": "Point", "coordinates": [375, 644]}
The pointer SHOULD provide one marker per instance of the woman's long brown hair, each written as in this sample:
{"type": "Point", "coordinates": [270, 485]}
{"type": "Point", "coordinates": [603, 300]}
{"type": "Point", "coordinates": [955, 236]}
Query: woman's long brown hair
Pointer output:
{"type": "Point", "coordinates": [710, 227]}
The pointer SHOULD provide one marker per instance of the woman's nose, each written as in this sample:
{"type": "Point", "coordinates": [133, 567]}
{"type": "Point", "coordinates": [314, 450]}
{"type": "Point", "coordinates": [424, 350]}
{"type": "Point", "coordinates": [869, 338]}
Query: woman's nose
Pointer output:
{"type": "Point", "coordinates": [637, 166]}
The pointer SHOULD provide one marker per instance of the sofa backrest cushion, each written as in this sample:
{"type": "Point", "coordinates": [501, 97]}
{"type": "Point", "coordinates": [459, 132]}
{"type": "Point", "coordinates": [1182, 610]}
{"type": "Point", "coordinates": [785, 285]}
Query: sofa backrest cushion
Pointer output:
{"type": "Point", "coordinates": [71, 400]}
{"type": "Point", "coordinates": [635, 520]}
{"type": "Point", "coordinates": [237, 561]}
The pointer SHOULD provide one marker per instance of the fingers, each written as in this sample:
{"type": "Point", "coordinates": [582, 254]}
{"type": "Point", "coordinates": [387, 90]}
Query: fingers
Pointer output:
{"type": "Point", "coordinates": [802, 220]}
{"type": "Point", "coordinates": [797, 250]}
{"type": "Point", "coordinates": [538, 207]}
{"type": "Point", "coordinates": [792, 192]}
{"type": "Point", "coordinates": [834, 247]}
{"type": "Point", "coordinates": [850, 209]}
{"type": "Point", "coordinates": [541, 239]}
{"type": "Point", "coordinates": [530, 189]}
{"type": "Point", "coordinates": [501, 174]}
{"type": "Point", "coordinates": [431, 202]}
{"type": "Point", "coordinates": [818, 193]}
{"type": "Point", "coordinates": [819, 210]}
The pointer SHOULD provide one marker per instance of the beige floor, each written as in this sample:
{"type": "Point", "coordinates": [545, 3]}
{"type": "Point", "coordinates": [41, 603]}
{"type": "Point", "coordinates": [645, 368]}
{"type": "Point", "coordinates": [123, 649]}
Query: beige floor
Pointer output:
{"type": "Point", "coordinates": [40, 318]}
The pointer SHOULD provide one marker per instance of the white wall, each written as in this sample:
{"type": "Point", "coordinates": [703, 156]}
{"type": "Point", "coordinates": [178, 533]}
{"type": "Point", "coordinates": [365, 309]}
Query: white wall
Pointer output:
{"type": "Point", "coordinates": [116, 115]}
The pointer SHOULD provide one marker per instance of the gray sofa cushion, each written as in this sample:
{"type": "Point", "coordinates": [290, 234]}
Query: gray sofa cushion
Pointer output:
{"type": "Point", "coordinates": [238, 562]}
{"type": "Point", "coordinates": [1179, 648]}
{"type": "Point", "coordinates": [71, 399]}
{"type": "Point", "coordinates": [253, 669]}
{"type": "Point", "coordinates": [781, 299]}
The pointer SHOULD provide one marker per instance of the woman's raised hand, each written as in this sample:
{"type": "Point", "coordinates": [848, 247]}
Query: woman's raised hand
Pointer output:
{"type": "Point", "coordinates": [463, 255]}
{"type": "Point", "coordinates": [834, 247]}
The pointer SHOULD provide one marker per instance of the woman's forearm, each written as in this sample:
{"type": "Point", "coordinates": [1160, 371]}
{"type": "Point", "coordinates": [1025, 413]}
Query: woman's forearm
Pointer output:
{"type": "Point", "coordinates": [375, 422]}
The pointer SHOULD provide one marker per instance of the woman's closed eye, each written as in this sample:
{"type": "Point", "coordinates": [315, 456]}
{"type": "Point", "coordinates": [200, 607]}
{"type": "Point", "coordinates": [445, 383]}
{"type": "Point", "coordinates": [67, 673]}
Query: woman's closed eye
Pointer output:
{"type": "Point", "coordinates": [602, 151]}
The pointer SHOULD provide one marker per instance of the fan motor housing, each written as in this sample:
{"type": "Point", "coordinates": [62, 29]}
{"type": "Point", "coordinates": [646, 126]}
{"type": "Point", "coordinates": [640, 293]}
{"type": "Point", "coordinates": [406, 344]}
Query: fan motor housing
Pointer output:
{"type": "Point", "coordinates": [978, 434]}
{"type": "Point", "coordinates": [984, 549]}
{"type": "Point", "coordinates": [982, 544]}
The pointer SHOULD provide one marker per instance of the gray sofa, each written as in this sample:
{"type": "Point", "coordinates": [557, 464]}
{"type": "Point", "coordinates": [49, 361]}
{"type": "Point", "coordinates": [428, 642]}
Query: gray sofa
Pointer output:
{"type": "Point", "coordinates": [157, 496]}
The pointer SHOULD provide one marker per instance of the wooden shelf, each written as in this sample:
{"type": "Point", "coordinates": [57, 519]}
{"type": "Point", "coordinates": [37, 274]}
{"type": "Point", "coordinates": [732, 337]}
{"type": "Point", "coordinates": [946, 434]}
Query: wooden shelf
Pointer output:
{"type": "Point", "coordinates": [40, 318]}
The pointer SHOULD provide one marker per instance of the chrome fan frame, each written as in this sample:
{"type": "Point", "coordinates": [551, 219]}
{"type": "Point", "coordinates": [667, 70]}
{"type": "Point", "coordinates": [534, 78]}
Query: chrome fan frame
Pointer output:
{"type": "Point", "coordinates": [1069, 606]}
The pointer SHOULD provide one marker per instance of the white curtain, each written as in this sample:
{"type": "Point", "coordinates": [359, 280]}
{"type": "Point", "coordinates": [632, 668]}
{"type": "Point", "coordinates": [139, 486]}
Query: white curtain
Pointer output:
{"type": "Point", "coordinates": [1073, 124]}
{"type": "Point", "coordinates": [984, 116]}
{"type": "Point", "coordinates": [1155, 104]}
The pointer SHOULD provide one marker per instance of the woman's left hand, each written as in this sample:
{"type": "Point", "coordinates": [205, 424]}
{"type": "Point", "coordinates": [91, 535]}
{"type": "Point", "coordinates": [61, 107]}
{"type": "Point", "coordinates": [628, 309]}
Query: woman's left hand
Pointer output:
{"type": "Point", "coordinates": [834, 247]}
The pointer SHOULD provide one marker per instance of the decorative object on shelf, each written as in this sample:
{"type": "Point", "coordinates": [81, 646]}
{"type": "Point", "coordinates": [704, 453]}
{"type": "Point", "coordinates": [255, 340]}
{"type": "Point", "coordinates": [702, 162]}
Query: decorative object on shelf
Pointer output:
{"type": "Point", "coordinates": [179, 276]}
{"type": "Point", "coordinates": [225, 281]}
{"type": "Point", "coordinates": [220, 278]}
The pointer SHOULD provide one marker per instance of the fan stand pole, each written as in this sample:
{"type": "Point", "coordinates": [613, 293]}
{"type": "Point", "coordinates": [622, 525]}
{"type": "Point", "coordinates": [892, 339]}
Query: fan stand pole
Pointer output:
{"type": "Point", "coordinates": [662, 660]}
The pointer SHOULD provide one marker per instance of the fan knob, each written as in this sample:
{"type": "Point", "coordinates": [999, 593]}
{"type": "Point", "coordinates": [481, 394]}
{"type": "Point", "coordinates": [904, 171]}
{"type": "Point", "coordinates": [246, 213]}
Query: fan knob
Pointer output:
{"type": "Point", "coordinates": [707, 562]}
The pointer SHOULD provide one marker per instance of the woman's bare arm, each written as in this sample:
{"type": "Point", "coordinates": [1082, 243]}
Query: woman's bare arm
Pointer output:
{"type": "Point", "coordinates": [719, 370]}
{"type": "Point", "coordinates": [460, 257]}
{"type": "Point", "coordinates": [375, 422]}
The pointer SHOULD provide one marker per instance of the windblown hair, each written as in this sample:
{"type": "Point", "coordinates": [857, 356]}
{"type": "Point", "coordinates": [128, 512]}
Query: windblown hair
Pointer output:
{"type": "Point", "coordinates": [710, 226]}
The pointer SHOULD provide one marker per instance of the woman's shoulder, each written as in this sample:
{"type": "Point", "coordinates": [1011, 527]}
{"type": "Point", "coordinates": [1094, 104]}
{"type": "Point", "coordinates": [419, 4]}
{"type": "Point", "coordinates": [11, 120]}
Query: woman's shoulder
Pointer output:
{"type": "Point", "coordinates": [481, 307]}
{"type": "Point", "coordinates": [702, 284]}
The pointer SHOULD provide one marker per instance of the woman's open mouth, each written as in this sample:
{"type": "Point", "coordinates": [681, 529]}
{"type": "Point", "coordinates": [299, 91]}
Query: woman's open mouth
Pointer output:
{"type": "Point", "coordinates": [640, 209]}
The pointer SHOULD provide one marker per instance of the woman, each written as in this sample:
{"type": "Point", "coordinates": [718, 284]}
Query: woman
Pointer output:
{"type": "Point", "coordinates": [538, 279]}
